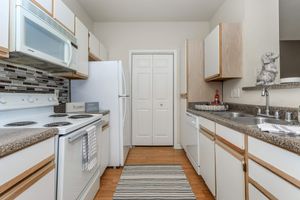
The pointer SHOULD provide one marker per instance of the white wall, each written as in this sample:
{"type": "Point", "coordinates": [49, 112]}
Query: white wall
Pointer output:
{"type": "Point", "coordinates": [120, 37]}
{"type": "Point", "coordinates": [260, 20]}
{"type": "Point", "coordinates": [80, 13]}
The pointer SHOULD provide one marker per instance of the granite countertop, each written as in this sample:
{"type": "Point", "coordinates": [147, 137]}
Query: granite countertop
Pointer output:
{"type": "Point", "coordinates": [285, 141]}
{"type": "Point", "coordinates": [104, 112]}
{"type": "Point", "coordinates": [15, 139]}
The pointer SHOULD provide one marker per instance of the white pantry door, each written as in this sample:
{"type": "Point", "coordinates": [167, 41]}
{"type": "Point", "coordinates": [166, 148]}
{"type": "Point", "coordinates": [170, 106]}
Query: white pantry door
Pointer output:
{"type": "Point", "coordinates": [142, 126]}
{"type": "Point", "coordinates": [152, 94]}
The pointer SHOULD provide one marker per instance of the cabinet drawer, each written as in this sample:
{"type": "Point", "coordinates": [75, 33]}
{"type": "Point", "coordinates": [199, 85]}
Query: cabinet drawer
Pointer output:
{"type": "Point", "coordinates": [231, 136]}
{"type": "Point", "coordinates": [207, 124]}
{"type": "Point", "coordinates": [10, 167]}
{"type": "Point", "coordinates": [275, 185]}
{"type": "Point", "coordinates": [283, 160]}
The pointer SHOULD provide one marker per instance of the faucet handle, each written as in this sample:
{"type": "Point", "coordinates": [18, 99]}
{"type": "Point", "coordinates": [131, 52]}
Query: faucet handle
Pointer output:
{"type": "Point", "coordinates": [258, 110]}
{"type": "Point", "coordinates": [276, 114]}
{"type": "Point", "coordinates": [288, 116]}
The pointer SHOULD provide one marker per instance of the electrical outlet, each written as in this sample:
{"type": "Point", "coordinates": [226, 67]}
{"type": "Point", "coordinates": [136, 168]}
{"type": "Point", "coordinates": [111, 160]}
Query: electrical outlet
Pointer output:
{"type": "Point", "coordinates": [235, 93]}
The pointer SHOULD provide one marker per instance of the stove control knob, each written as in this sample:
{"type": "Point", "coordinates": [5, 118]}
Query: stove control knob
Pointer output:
{"type": "Point", "coordinates": [30, 100]}
{"type": "Point", "coordinates": [2, 100]}
{"type": "Point", "coordinates": [50, 99]}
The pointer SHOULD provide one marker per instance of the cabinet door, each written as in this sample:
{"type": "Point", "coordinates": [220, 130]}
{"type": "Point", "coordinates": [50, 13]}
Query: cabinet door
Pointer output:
{"type": "Point", "coordinates": [212, 54]}
{"type": "Point", "coordinates": [46, 5]}
{"type": "Point", "coordinates": [42, 189]}
{"type": "Point", "coordinates": [64, 15]}
{"type": "Point", "coordinates": [104, 149]}
{"type": "Point", "coordinates": [4, 27]}
{"type": "Point", "coordinates": [230, 175]}
{"type": "Point", "coordinates": [82, 35]}
{"type": "Point", "coordinates": [94, 46]}
{"type": "Point", "coordinates": [207, 161]}
{"type": "Point", "coordinates": [103, 52]}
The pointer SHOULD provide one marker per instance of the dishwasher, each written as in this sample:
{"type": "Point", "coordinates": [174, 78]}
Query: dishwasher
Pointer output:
{"type": "Point", "coordinates": [192, 141]}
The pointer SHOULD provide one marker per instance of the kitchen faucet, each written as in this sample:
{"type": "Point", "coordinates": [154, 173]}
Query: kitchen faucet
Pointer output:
{"type": "Point", "coordinates": [265, 93]}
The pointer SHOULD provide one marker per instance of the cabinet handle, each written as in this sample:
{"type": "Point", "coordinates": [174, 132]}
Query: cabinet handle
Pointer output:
{"type": "Point", "coordinates": [210, 135]}
{"type": "Point", "coordinates": [106, 126]}
{"type": "Point", "coordinates": [231, 151]}
{"type": "Point", "coordinates": [77, 136]}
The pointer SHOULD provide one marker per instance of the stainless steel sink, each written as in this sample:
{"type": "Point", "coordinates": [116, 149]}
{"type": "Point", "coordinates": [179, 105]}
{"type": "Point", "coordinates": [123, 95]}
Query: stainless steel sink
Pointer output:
{"type": "Point", "coordinates": [253, 121]}
{"type": "Point", "coordinates": [233, 114]}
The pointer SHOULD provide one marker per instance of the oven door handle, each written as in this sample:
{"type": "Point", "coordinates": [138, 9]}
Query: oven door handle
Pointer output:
{"type": "Point", "coordinates": [77, 136]}
{"type": "Point", "coordinates": [82, 133]}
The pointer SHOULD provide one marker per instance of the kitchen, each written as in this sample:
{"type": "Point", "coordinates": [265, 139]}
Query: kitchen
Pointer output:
{"type": "Point", "coordinates": [200, 96]}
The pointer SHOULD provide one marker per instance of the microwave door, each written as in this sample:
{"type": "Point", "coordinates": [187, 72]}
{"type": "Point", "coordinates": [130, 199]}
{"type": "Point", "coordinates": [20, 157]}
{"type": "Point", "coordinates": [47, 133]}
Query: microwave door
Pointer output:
{"type": "Point", "coordinates": [36, 38]}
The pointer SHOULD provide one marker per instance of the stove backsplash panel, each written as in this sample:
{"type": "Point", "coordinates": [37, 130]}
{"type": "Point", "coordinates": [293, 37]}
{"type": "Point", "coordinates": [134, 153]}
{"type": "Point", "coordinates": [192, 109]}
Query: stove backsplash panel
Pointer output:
{"type": "Point", "coordinates": [24, 79]}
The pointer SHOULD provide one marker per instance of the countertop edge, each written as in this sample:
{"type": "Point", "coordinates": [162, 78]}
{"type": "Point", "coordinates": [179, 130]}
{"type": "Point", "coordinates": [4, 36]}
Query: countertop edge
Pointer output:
{"type": "Point", "coordinates": [19, 144]}
{"type": "Point", "coordinates": [278, 140]}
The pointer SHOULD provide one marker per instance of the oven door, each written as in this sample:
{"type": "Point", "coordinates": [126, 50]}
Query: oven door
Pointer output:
{"type": "Point", "coordinates": [72, 179]}
{"type": "Point", "coordinates": [38, 39]}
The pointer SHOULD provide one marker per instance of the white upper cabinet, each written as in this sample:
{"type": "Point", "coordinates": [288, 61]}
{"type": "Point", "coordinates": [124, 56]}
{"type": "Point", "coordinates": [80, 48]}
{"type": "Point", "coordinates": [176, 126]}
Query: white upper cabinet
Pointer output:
{"type": "Point", "coordinates": [103, 52]}
{"type": "Point", "coordinates": [46, 5]}
{"type": "Point", "coordinates": [212, 53]}
{"type": "Point", "coordinates": [64, 15]}
{"type": "Point", "coordinates": [94, 47]}
{"type": "Point", "coordinates": [82, 35]}
{"type": "Point", "coordinates": [223, 52]}
{"type": "Point", "coordinates": [4, 28]}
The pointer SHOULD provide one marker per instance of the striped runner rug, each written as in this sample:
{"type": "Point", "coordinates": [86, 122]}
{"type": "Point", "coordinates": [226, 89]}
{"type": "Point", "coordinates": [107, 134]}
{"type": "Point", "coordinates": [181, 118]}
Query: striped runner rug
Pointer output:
{"type": "Point", "coordinates": [158, 182]}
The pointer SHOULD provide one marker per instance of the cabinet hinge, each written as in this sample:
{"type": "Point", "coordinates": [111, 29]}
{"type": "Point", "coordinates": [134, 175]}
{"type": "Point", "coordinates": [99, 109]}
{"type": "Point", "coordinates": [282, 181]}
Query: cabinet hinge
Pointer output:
{"type": "Point", "coordinates": [244, 167]}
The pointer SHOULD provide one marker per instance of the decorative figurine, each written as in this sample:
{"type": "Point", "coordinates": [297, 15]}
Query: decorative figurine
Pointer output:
{"type": "Point", "coordinates": [269, 70]}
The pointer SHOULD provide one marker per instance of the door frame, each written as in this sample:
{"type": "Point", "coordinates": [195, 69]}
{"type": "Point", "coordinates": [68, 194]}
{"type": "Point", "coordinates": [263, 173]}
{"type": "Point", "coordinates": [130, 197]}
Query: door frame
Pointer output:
{"type": "Point", "coordinates": [176, 88]}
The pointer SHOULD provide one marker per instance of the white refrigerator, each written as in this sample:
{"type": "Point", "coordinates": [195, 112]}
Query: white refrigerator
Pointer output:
{"type": "Point", "coordinates": [109, 84]}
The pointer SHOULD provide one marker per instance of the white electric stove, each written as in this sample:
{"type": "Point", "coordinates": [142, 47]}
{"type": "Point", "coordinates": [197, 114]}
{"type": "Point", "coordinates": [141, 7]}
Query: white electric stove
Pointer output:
{"type": "Point", "coordinates": [22, 110]}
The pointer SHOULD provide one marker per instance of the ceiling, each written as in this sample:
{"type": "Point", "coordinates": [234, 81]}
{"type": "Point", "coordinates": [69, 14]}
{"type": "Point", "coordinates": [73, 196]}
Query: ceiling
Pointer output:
{"type": "Point", "coordinates": [150, 10]}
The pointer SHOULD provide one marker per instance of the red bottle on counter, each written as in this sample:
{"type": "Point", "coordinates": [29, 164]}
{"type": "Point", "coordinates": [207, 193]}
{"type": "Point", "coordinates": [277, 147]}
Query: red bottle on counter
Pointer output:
{"type": "Point", "coordinates": [217, 98]}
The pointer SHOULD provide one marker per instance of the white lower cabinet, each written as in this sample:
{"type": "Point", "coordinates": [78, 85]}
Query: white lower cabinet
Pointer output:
{"type": "Point", "coordinates": [104, 149]}
{"type": "Point", "coordinates": [42, 189]}
{"type": "Point", "coordinates": [255, 194]}
{"type": "Point", "coordinates": [275, 185]}
{"type": "Point", "coordinates": [29, 173]}
{"type": "Point", "coordinates": [207, 160]}
{"type": "Point", "coordinates": [230, 176]}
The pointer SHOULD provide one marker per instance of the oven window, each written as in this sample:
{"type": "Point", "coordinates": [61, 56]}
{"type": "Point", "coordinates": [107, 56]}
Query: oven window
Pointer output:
{"type": "Point", "coordinates": [39, 39]}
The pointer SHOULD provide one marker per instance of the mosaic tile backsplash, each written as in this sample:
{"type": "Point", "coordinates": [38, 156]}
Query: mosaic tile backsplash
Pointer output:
{"type": "Point", "coordinates": [23, 79]}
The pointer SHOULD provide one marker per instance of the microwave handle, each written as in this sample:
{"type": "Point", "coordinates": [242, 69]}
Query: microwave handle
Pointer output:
{"type": "Point", "coordinates": [70, 53]}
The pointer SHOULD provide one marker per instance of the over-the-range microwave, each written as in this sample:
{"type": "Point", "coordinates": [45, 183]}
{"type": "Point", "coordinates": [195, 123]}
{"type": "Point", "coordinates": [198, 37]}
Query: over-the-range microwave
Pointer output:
{"type": "Point", "coordinates": [37, 40]}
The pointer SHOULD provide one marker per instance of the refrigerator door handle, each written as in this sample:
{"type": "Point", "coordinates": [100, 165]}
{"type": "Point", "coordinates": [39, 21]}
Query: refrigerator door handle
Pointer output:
{"type": "Point", "coordinates": [124, 81]}
{"type": "Point", "coordinates": [123, 96]}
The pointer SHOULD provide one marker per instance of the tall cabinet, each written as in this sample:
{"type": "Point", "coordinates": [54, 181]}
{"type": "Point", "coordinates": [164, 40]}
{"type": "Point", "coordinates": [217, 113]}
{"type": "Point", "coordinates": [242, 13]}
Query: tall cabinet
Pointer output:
{"type": "Point", "coordinates": [4, 28]}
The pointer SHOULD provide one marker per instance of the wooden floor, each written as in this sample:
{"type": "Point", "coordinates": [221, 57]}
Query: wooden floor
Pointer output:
{"type": "Point", "coordinates": [153, 155]}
